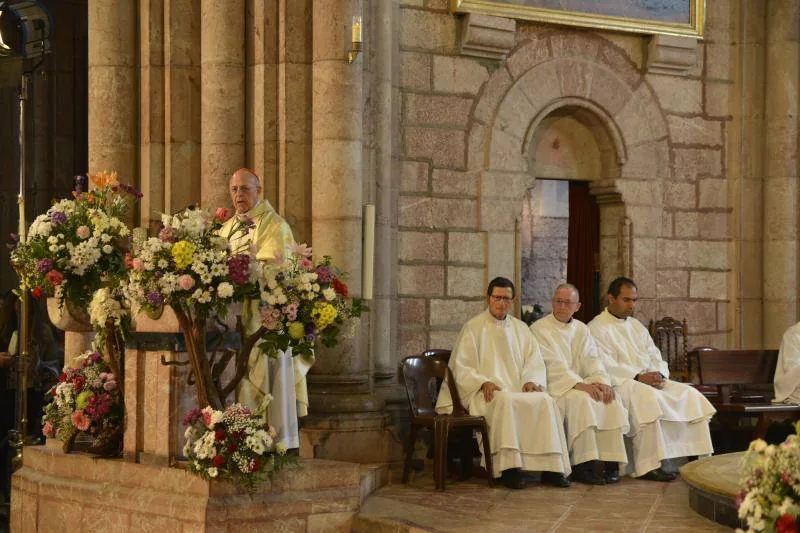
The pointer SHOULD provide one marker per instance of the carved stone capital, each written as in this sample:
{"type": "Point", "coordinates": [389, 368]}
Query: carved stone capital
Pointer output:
{"type": "Point", "coordinates": [669, 54]}
{"type": "Point", "coordinates": [487, 36]}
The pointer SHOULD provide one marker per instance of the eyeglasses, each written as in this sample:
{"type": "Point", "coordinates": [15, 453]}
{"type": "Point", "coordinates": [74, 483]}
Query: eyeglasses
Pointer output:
{"type": "Point", "coordinates": [504, 299]}
{"type": "Point", "coordinates": [243, 189]}
{"type": "Point", "coordinates": [564, 302]}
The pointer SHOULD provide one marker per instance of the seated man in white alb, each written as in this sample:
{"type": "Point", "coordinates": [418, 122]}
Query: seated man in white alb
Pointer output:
{"type": "Point", "coordinates": [787, 373]}
{"type": "Point", "coordinates": [595, 419]}
{"type": "Point", "coordinates": [500, 375]}
{"type": "Point", "coordinates": [667, 419]}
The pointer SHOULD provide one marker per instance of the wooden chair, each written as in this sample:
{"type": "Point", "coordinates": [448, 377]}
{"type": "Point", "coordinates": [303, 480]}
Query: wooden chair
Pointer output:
{"type": "Point", "coordinates": [671, 337]}
{"type": "Point", "coordinates": [420, 376]}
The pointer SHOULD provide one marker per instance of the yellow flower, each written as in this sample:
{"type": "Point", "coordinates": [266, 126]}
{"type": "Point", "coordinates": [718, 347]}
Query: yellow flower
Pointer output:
{"type": "Point", "coordinates": [83, 399]}
{"type": "Point", "coordinates": [324, 313]}
{"type": "Point", "coordinates": [297, 331]}
{"type": "Point", "coordinates": [182, 253]}
{"type": "Point", "coordinates": [101, 179]}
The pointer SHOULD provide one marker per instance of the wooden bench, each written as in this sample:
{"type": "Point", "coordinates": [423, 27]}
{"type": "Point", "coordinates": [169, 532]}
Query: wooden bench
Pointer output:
{"type": "Point", "coordinates": [744, 388]}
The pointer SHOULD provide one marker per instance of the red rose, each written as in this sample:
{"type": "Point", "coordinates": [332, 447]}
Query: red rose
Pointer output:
{"type": "Point", "coordinates": [232, 447]}
{"type": "Point", "coordinates": [339, 287]}
{"type": "Point", "coordinates": [256, 465]}
{"type": "Point", "coordinates": [219, 435]}
{"type": "Point", "coordinates": [78, 382]}
{"type": "Point", "coordinates": [55, 277]}
{"type": "Point", "coordinates": [218, 461]}
{"type": "Point", "coordinates": [786, 524]}
{"type": "Point", "coordinates": [128, 259]}
{"type": "Point", "coordinates": [36, 292]}
{"type": "Point", "coordinates": [62, 377]}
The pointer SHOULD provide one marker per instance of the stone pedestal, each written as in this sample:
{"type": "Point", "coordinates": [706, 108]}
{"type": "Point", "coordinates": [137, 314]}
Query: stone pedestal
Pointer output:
{"type": "Point", "coordinates": [54, 492]}
{"type": "Point", "coordinates": [78, 333]}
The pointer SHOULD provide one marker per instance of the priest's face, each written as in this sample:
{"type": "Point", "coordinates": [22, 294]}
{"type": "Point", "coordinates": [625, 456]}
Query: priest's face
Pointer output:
{"type": "Point", "coordinates": [623, 305]}
{"type": "Point", "coordinates": [245, 191]}
{"type": "Point", "coordinates": [500, 302]}
{"type": "Point", "coordinates": [565, 304]}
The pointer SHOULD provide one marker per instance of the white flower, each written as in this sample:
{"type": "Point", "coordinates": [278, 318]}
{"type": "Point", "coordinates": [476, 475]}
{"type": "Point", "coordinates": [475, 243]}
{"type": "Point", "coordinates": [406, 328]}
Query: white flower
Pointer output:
{"type": "Point", "coordinates": [329, 294]}
{"type": "Point", "coordinates": [225, 290]}
{"type": "Point", "coordinates": [107, 249]}
{"type": "Point", "coordinates": [212, 472]}
{"type": "Point", "coordinates": [280, 448]}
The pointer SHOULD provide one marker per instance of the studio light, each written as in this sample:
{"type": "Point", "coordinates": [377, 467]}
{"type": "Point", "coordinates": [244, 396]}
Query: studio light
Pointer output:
{"type": "Point", "coordinates": [25, 29]}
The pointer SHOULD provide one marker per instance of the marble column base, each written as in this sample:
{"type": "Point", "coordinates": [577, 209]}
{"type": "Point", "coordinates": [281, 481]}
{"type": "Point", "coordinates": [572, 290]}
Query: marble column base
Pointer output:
{"type": "Point", "coordinates": [57, 492]}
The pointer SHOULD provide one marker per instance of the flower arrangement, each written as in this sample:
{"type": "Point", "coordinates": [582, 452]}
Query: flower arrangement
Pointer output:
{"type": "Point", "coordinates": [78, 245]}
{"type": "Point", "coordinates": [189, 265]}
{"type": "Point", "coordinates": [302, 303]}
{"type": "Point", "coordinates": [770, 497]}
{"type": "Point", "coordinates": [232, 445]}
{"type": "Point", "coordinates": [86, 399]}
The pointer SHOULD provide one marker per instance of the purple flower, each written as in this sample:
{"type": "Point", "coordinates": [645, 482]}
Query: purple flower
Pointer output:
{"type": "Point", "coordinates": [310, 328]}
{"type": "Point", "coordinates": [95, 357]}
{"type": "Point", "coordinates": [166, 234]}
{"type": "Point", "coordinates": [58, 218]}
{"type": "Point", "coordinates": [99, 405]}
{"type": "Point", "coordinates": [310, 337]}
{"type": "Point", "coordinates": [44, 265]}
{"type": "Point", "coordinates": [155, 299]}
{"type": "Point", "coordinates": [130, 189]}
{"type": "Point", "coordinates": [238, 268]}
{"type": "Point", "coordinates": [324, 274]}
{"type": "Point", "coordinates": [191, 416]}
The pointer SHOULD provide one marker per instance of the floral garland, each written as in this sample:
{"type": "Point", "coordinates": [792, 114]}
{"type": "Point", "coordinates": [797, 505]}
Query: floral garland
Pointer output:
{"type": "Point", "coordinates": [232, 445]}
{"type": "Point", "coordinates": [770, 497]}
{"type": "Point", "coordinates": [86, 399]}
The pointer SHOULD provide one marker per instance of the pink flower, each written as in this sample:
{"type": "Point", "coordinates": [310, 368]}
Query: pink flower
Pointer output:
{"type": "Point", "coordinates": [83, 232]}
{"type": "Point", "coordinates": [301, 250]}
{"type": "Point", "coordinates": [80, 420]}
{"type": "Point", "coordinates": [306, 264]}
{"type": "Point", "coordinates": [55, 277]}
{"type": "Point", "coordinates": [221, 214]}
{"type": "Point", "coordinates": [110, 385]}
{"type": "Point", "coordinates": [48, 429]}
{"type": "Point", "coordinates": [186, 282]}
{"type": "Point", "coordinates": [138, 264]}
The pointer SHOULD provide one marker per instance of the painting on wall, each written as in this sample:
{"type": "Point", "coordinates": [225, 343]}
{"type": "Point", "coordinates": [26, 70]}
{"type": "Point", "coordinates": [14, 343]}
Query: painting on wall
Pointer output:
{"type": "Point", "coordinates": [671, 17]}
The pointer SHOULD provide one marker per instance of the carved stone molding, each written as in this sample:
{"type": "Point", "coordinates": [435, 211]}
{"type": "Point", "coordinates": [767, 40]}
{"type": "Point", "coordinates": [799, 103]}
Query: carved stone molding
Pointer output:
{"type": "Point", "coordinates": [487, 36]}
{"type": "Point", "coordinates": [669, 54]}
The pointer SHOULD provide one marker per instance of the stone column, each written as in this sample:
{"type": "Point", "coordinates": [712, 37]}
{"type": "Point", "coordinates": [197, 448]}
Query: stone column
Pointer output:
{"type": "Point", "coordinates": [222, 107]}
{"type": "Point", "coordinates": [779, 256]}
{"type": "Point", "coordinates": [113, 90]}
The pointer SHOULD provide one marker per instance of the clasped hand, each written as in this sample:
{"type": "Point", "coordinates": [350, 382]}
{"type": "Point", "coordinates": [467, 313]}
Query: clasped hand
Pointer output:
{"type": "Point", "coordinates": [489, 389]}
{"type": "Point", "coordinates": [654, 379]}
{"type": "Point", "coordinates": [598, 391]}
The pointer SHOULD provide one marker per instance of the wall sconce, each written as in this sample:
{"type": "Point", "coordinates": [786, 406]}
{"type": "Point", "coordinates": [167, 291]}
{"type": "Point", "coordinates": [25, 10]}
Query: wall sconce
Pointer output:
{"type": "Point", "coordinates": [358, 40]}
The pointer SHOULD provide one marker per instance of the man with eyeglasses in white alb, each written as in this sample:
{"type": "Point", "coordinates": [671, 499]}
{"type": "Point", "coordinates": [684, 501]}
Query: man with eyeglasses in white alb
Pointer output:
{"type": "Point", "coordinates": [283, 396]}
{"type": "Point", "coordinates": [500, 375]}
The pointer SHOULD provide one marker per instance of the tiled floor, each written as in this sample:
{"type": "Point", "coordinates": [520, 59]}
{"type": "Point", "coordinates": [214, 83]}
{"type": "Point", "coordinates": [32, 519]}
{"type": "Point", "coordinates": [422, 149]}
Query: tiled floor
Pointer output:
{"type": "Point", "coordinates": [631, 505]}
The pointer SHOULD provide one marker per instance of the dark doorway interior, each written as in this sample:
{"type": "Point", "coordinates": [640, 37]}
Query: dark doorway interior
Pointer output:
{"type": "Point", "coordinates": [583, 249]}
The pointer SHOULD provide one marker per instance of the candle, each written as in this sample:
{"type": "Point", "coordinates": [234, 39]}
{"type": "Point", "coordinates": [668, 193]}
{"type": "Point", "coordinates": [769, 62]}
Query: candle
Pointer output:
{"type": "Point", "coordinates": [368, 252]}
{"type": "Point", "coordinates": [357, 29]}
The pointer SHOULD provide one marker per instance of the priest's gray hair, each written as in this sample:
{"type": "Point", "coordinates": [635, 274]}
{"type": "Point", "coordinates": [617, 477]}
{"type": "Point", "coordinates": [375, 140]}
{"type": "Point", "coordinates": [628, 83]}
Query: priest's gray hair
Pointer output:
{"type": "Point", "coordinates": [568, 286]}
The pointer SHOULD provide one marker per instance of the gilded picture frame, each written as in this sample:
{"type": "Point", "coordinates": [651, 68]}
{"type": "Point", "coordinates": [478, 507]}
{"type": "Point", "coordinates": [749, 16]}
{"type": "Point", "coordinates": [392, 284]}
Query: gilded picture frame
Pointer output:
{"type": "Point", "coordinates": [602, 15]}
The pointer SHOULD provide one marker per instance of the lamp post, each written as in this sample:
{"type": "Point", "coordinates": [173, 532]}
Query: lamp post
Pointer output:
{"type": "Point", "coordinates": [29, 40]}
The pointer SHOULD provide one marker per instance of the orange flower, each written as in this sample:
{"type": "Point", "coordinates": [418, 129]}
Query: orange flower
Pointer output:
{"type": "Point", "coordinates": [101, 179]}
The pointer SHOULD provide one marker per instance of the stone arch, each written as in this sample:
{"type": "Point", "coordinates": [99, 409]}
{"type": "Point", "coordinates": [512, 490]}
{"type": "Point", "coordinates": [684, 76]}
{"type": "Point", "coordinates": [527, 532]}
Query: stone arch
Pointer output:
{"type": "Point", "coordinates": [594, 78]}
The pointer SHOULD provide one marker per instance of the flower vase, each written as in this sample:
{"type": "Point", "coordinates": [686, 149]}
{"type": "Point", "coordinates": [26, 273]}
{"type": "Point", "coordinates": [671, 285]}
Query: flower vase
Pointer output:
{"type": "Point", "coordinates": [78, 333]}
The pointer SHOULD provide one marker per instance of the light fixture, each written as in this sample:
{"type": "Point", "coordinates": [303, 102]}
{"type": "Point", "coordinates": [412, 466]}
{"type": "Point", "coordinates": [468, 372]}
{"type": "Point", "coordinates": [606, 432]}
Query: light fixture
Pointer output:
{"type": "Point", "coordinates": [358, 39]}
{"type": "Point", "coordinates": [32, 23]}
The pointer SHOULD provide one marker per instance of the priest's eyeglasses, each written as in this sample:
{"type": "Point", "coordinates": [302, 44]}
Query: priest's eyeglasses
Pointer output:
{"type": "Point", "coordinates": [244, 189]}
{"type": "Point", "coordinates": [504, 299]}
{"type": "Point", "coordinates": [564, 302]}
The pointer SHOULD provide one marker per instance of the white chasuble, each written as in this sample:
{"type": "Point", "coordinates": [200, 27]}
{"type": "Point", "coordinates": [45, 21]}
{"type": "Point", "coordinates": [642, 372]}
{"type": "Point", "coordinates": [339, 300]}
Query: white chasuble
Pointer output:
{"type": "Point", "coordinates": [594, 429]}
{"type": "Point", "coordinates": [666, 423]}
{"type": "Point", "coordinates": [276, 386]}
{"type": "Point", "coordinates": [525, 428]}
{"type": "Point", "coordinates": [787, 373]}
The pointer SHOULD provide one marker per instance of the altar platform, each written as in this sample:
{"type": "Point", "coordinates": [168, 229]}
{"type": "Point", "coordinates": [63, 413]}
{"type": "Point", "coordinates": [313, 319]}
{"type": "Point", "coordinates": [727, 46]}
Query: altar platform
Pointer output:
{"type": "Point", "coordinates": [713, 485]}
{"type": "Point", "coordinates": [472, 507]}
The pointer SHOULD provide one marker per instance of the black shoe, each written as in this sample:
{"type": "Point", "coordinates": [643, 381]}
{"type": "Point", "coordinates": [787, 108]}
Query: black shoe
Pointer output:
{"type": "Point", "coordinates": [611, 472]}
{"type": "Point", "coordinates": [658, 475]}
{"type": "Point", "coordinates": [555, 479]}
{"type": "Point", "coordinates": [585, 473]}
{"type": "Point", "coordinates": [513, 478]}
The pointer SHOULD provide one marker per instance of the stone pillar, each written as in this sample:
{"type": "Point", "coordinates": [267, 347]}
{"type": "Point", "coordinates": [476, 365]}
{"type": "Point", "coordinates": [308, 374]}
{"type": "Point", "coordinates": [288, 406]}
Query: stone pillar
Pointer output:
{"type": "Point", "coordinates": [779, 256]}
{"type": "Point", "coordinates": [222, 107]}
{"type": "Point", "coordinates": [113, 93]}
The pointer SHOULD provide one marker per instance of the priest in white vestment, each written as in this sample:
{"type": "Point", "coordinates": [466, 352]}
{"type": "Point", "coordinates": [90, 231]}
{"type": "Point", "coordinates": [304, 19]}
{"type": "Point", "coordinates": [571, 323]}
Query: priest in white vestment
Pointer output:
{"type": "Point", "coordinates": [595, 419]}
{"type": "Point", "coordinates": [275, 387]}
{"type": "Point", "coordinates": [667, 419]}
{"type": "Point", "coordinates": [499, 373]}
{"type": "Point", "coordinates": [787, 373]}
